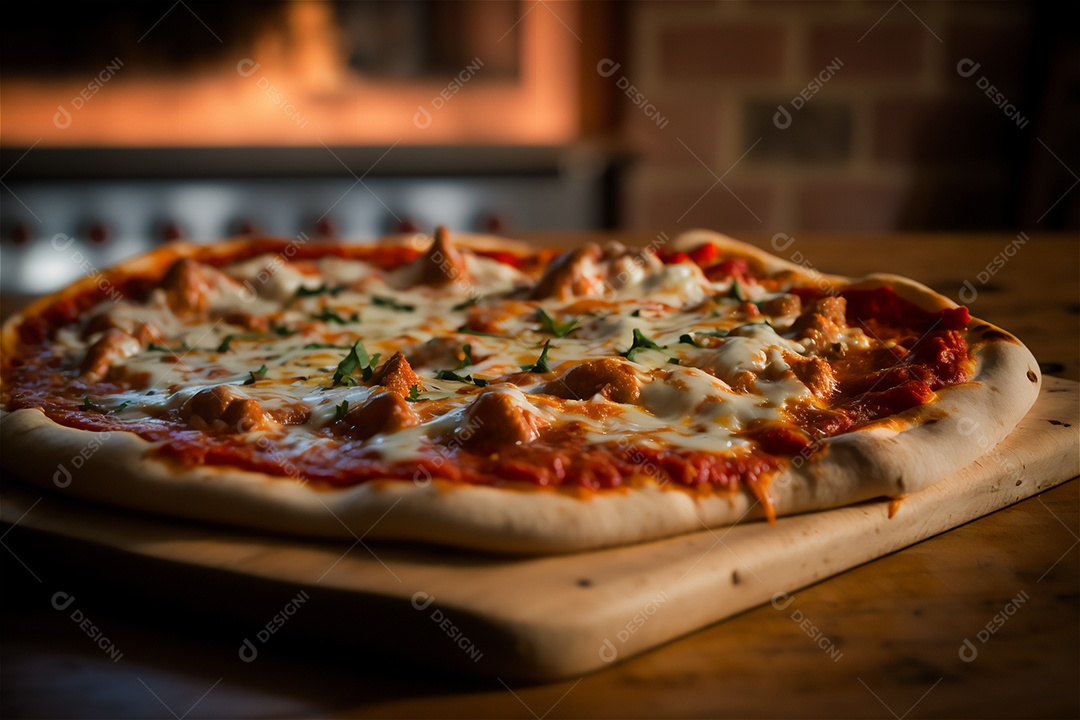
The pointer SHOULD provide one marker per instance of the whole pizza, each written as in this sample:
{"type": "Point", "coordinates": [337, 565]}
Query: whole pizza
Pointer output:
{"type": "Point", "coordinates": [483, 393]}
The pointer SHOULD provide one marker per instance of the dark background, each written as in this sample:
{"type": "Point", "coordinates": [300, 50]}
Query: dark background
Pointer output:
{"type": "Point", "coordinates": [897, 139]}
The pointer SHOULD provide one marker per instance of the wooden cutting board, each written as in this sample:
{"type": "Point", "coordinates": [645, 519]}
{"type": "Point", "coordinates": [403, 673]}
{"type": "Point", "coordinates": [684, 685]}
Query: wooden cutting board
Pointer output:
{"type": "Point", "coordinates": [533, 618]}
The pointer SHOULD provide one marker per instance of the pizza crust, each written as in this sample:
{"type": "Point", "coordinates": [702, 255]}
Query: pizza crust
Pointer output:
{"type": "Point", "coordinates": [902, 455]}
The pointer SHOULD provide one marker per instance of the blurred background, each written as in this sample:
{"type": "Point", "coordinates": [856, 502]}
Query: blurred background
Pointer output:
{"type": "Point", "coordinates": [127, 124]}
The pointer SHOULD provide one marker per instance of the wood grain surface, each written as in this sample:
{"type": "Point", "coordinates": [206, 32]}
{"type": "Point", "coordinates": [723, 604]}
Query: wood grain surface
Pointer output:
{"type": "Point", "coordinates": [886, 639]}
{"type": "Point", "coordinates": [547, 618]}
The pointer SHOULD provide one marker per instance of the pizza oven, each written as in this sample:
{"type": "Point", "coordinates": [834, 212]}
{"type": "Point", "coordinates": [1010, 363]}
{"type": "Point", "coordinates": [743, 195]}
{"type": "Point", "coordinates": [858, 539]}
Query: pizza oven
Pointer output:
{"type": "Point", "coordinates": [332, 120]}
{"type": "Point", "coordinates": [69, 211]}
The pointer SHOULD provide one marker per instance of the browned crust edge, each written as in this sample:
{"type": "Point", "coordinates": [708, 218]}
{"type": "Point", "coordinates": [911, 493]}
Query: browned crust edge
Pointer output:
{"type": "Point", "coordinates": [118, 468]}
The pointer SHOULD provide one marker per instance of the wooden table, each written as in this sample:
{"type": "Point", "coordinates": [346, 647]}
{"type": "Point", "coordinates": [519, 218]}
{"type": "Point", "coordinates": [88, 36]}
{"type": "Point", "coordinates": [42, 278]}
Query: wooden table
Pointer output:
{"type": "Point", "coordinates": [1008, 584]}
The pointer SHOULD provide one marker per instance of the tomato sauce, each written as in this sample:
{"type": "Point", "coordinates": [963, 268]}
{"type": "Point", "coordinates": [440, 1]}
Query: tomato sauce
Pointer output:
{"type": "Point", "coordinates": [923, 351]}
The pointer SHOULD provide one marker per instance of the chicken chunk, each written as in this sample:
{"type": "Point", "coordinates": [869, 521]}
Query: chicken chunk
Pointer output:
{"type": "Point", "coordinates": [290, 414]}
{"type": "Point", "coordinates": [397, 376]}
{"type": "Point", "coordinates": [612, 378]}
{"type": "Point", "coordinates": [783, 306]}
{"type": "Point", "coordinates": [494, 318]}
{"type": "Point", "coordinates": [112, 347]}
{"type": "Point", "coordinates": [383, 412]}
{"type": "Point", "coordinates": [494, 419]}
{"type": "Point", "coordinates": [813, 372]}
{"type": "Point", "coordinates": [441, 265]}
{"type": "Point", "coordinates": [143, 331]}
{"type": "Point", "coordinates": [186, 287]}
{"type": "Point", "coordinates": [439, 352]}
{"type": "Point", "coordinates": [572, 274]}
{"type": "Point", "coordinates": [822, 324]}
{"type": "Point", "coordinates": [257, 323]}
{"type": "Point", "coordinates": [221, 404]}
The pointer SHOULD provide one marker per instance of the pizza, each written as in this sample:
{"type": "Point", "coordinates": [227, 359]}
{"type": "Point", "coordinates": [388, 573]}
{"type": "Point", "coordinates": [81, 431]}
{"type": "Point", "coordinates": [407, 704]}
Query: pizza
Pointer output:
{"type": "Point", "coordinates": [483, 393]}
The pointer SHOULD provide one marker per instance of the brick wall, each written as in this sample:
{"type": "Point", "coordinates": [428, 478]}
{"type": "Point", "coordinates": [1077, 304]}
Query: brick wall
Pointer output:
{"type": "Point", "coordinates": [886, 133]}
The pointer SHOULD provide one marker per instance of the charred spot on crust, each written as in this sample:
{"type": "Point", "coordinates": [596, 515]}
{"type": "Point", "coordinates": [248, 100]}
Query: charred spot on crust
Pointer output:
{"type": "Point", "coordinates": [992, 335]}
{"type": "Point", "coordinates": [1059, 422]}
{"type": "Point", "coordinates": [1032, 376]}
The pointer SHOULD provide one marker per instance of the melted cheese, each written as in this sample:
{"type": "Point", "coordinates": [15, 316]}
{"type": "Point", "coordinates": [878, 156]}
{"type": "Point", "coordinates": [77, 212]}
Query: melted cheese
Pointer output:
{"type": "Point", "coordinates": [687, 397]}
{"type": "Point", "coordinates": [747, 352]}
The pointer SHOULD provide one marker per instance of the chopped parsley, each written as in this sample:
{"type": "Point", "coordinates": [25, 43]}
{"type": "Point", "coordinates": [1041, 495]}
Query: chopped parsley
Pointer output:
{"type": "Point", "coordinates": [391, 303]}
{"type": "Point", "coordinates": [256, 375]}
{"type": "Point", "coordinates": [451, 375]}
{"type": "Point", "coordinates": [466, 330]}
{"type": "Point", "coordinates": [467, 303]}
{"type": "Point", "coordinates": [541, 364]}
{"type": "Point", "coordinates": [341, 409]}
{"type": "Point", "coordinates": [414, 394]}
{"type": "Point", "coordinates": [736, 292]}
{"type": "Point", "coordinates": [356, 359]}
{"type": "Point", "coordinates": [688, 338]}
{"type": "Point", "coordinates": [329, 315]}
{"type": "Point", "coordinates": [89, 405]}
{"type": "Point", "coordinates": [324, 289]}
{"type": "Point", "coordinates": [640, 343]}
{"type": "Point", "coordinates": [466, 361]}
{"type": "Point", "coordinates": [548, 324]}
{"type": "Point", "coordinates": [184, 347]}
